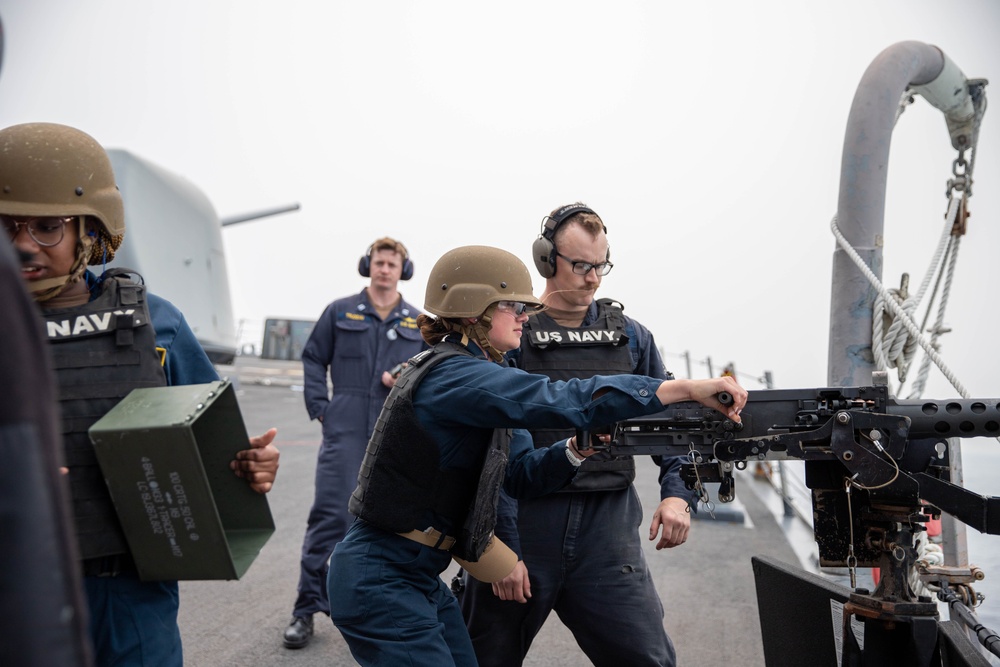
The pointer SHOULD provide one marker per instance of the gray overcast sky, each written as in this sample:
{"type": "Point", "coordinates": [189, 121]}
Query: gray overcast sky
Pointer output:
{"type": "Point", "coordinates": [708, 135]}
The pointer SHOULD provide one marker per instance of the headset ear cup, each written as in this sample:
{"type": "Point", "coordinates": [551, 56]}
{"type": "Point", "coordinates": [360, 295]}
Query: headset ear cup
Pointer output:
{"type": "Point", "coordinates": [543, 254]}
{"type": "Point", "coordinates": [407, 270]}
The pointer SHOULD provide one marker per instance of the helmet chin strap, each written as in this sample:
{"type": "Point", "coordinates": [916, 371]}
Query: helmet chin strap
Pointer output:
{"type": "Point", "coordinates": [481, 329]}
{"type": "Point", "coordinates": [479, 332]}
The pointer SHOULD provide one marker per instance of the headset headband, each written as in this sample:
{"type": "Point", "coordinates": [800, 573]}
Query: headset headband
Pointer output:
{"type": "Point", "coordinates": [399, 244]}
{"type": "Point", "coordinates": [550, 223]}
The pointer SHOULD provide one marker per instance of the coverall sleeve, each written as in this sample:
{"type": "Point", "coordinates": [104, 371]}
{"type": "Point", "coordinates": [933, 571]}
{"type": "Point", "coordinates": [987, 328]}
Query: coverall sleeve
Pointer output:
{"type": "Point", "coordinates": [649, 362]}
{"type": "Point", "coordinates": [316, 357]}
{"type": "Point", "coordinates": [533, 472]}
{"type": "Point", "coordinates": [506, 527]}
{"type": "Point", "coordinates": [185, 361]}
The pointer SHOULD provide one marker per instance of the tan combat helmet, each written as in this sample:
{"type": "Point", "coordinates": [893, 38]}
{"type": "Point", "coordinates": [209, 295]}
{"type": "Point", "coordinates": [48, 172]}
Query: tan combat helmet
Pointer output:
{"type": "Point", "coordinates": [468, 280]}
{"type": "Point", "coordinates": [54, 170]}
{"type": "Point", "coordinates": [466, 283]}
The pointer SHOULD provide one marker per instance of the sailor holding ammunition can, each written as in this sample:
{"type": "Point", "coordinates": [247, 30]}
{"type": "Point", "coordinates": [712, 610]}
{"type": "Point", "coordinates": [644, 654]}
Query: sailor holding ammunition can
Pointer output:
{"type": "Point", "coordinates": [61, 209]}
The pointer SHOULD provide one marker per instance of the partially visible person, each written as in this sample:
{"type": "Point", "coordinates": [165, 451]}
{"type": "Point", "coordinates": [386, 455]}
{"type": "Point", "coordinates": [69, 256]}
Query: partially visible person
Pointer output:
{"type": "Point", "coordinates": [359, 343]}
{"type": "Point", "coordinates": [42, 609]}
{"type": "Point", "coordinates": [62, 211]}
{"type": "Point", "coordinates": [450, 434]}
{"type": "Point", "coordinates": [581, 552]}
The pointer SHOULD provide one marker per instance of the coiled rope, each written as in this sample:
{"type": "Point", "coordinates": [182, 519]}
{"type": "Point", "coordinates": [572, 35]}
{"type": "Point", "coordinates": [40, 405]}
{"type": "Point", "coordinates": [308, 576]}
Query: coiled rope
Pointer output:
{"type": "Point", "coordinates": [893, 346]}
{"type": "Point", "coordinates": [901, 316]}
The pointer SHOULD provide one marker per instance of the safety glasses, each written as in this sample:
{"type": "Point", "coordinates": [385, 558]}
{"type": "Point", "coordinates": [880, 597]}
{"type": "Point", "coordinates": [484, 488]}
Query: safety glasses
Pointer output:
{"type": "Point", "coordinates": [45, 231]}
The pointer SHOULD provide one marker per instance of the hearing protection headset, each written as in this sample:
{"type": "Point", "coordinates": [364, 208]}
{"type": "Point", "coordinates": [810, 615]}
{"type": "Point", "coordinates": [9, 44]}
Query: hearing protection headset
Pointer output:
{"type": "Point", "coordinates": [543, 250]}
{"type": "Point", "coordinates": [365, 263]}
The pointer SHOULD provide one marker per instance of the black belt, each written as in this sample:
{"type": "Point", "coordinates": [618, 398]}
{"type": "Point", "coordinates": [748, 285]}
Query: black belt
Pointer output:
{"type": "Point", "coordinates": [430, 537]}
{"type": "Point", "coordinates": [108, 566]}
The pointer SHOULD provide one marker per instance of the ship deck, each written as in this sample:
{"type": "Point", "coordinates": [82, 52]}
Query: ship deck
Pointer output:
{"type": "Point", "coordinates": [706, 585]}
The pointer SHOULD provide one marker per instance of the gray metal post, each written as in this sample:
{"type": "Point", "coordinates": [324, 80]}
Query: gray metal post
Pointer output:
{"type": "Point", "coordinates": [861, 204]}
{"type": "Point", "coordinates": [954, 541]}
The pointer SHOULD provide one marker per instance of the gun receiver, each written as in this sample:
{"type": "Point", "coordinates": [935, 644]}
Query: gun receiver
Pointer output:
{"type": "Point", "coordinates": [870, 459]}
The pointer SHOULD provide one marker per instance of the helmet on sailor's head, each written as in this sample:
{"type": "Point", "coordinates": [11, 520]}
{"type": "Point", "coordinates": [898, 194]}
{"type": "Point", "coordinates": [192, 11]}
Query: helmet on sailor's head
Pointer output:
{"type": "Point", "coordinates": [466, 281]}
{"type": "Point", "coordinates": [54, 170]}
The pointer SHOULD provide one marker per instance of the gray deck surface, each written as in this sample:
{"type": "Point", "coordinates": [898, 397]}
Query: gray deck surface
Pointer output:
{"type": "Point", "coordinates": [706, 585]}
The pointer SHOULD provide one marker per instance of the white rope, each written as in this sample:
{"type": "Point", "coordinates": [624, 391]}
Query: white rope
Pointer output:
{"type": "Point", "coordinates": [917, 390]}
{"type": "Point", "coordinates": [896, 309]}
{"type": "Point", "coordinates": [895, 348]}
{"type": "Point", "coordinates": [932, 555]}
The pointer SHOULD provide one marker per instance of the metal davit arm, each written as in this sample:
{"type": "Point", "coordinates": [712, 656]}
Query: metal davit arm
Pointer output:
{"type": "Point", "coordinates": [863, 175]}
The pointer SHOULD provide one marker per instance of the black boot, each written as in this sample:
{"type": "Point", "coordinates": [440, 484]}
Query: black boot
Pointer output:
{"type": "Point", "coordinates": [299, 632]}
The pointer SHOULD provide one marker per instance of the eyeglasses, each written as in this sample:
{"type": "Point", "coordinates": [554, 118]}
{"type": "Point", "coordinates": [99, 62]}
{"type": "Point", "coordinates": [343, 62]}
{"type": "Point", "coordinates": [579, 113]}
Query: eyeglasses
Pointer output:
{"type": "Point", "coordinates": [46, 231]}
{"type": "Point", "coordinates": [583, 268]}
{"type": "Point", "coordinates": [516, 308]}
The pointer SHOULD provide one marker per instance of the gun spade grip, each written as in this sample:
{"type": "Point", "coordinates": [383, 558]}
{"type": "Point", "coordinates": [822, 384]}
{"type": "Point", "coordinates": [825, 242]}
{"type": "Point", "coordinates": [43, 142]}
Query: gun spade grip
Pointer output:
{"type": "Point", "coordinates": [725, 397]}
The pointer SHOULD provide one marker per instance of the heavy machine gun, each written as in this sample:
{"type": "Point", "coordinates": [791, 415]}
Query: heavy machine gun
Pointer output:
{"type": "Point", "coordinates": [884, 453]}
{"type": "Point", "coordinates": [878, 469]}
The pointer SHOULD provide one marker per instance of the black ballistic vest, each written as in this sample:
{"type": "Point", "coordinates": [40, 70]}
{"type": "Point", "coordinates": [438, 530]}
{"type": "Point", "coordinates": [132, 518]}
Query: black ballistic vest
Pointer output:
{"type": "Point", "coordinates": [101, 351]}
{"type": "Point", "coordinates": [561, 353]}
{"type": "Point", "coordinates": [401, 481]}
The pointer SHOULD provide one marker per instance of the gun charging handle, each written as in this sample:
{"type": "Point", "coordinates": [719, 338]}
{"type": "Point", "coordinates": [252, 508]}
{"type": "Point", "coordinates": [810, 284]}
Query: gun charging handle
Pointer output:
{"type": "Point", "coordinates": [726, 399]}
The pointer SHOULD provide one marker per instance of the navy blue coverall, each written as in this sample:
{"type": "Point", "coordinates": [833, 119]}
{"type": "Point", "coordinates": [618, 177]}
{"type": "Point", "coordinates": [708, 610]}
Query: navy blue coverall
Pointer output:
{"type": "Point", "coordinates": [585, 561]}
{"type": "Point", "coordinates": [352, 345]}
{"type": "Point", "coordinates": [387, 597]}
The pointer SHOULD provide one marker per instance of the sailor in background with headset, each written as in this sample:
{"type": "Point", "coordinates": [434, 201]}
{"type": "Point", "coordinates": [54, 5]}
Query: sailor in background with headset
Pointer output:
{"type": "Point", "coordinates": [580, 550]}
{"type": "Point", "coordinates": [360, 342]}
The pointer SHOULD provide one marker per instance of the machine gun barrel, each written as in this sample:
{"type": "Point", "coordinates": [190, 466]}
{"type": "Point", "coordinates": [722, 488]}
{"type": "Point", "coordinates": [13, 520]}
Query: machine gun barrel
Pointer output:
{"type": "Point", "coordinates": [951, 418]}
